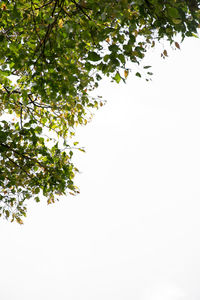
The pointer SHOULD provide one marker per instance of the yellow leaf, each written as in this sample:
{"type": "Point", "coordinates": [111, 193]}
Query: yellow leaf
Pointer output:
{"type": "Point", "coordinates": [19, 221]}
{"type": "Point", "coordinates": [176, 21]}
{"type": "Point", "coordinates": [60, 23]}
{"type": "Point", "coordinates": [3, 6]}
{"type": "Point", "coordinates": [72, 194]}
{"type": "Point", "coordinates": [126, 73]}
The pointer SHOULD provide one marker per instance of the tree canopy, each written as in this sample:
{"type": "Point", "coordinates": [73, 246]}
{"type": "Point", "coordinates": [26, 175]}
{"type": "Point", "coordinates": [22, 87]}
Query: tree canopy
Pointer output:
{"type": "Point", "coordinates": [52, 54]}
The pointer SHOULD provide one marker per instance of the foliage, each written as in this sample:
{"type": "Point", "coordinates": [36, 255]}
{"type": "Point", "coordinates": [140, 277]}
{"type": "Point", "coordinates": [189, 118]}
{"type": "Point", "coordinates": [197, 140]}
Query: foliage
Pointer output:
{"type": "Point", "coordinates": [52, 54]}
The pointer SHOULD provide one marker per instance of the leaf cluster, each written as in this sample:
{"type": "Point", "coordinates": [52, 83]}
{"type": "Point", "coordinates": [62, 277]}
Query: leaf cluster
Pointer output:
{"type": "Point", "coordinates": [52, 54]}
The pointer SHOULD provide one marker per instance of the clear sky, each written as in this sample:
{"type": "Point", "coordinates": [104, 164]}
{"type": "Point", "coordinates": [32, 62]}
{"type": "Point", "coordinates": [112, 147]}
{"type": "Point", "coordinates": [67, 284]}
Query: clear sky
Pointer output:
{"type": "Point", "coordinates": [133, 233]}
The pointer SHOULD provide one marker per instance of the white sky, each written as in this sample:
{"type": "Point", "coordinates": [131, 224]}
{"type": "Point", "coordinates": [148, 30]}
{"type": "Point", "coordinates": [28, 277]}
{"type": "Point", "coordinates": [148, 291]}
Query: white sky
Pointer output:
{"type": "Point", "coordinates": [133, 233]}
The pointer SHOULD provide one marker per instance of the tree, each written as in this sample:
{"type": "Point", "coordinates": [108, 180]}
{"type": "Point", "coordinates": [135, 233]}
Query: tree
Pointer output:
{"type": "Point", "coordinates": [52, 54]}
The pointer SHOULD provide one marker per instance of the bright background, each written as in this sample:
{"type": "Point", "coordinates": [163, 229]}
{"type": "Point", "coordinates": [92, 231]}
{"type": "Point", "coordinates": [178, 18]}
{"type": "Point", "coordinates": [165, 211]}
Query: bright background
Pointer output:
{"type": "Point", "coordinates": [134, 231]}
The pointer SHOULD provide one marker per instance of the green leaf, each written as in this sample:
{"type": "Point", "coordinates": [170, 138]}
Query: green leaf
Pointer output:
{"type": "Point", "coordinates": [93, 56]}
{"type": "Point", "coordinates": [173, 12]}
{"type": "Point", "coordinates": [37, 199]}
{"type": "Point", "coordinates": [37, 190]}
{"type": "Point", "coordinates": [117, 77]}
{"type": "Point", "coordinates": [177, 21]}
{"type": "Point", "coordinates": [138, 74]}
